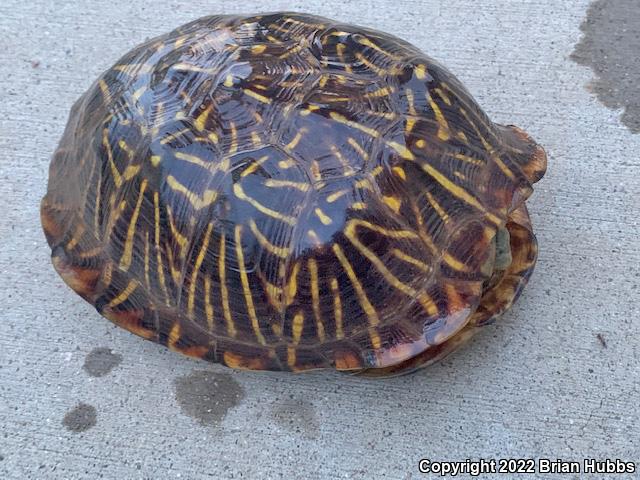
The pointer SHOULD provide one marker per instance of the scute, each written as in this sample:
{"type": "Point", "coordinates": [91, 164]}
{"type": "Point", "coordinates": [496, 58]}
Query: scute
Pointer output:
{"type": "Point", "coordinates": [283, 192]}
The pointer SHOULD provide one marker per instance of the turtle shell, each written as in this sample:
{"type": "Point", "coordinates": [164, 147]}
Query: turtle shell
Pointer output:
{"type": "Point", "coordinates": [285, 192]}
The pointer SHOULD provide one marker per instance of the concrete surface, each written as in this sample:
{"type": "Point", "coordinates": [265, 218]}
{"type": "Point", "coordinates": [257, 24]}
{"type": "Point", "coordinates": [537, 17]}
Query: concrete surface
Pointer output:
{"type": "Point", "coordinates": [558, 377]}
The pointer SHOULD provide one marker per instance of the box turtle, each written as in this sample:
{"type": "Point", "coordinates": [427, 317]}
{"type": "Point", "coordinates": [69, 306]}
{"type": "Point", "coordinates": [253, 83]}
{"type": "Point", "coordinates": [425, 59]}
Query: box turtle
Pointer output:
{"type": "Point", "coordinates": [286, 192]}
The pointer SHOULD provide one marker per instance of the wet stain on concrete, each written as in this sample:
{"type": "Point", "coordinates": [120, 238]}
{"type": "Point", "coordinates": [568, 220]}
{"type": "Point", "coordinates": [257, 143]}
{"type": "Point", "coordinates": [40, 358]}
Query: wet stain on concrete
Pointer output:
{"type": "Point", "coordinates": [207, 396]}
{"type": "Point", "coordinates": [610, 46]}
{"type": "Point", "coordinates": [81, 418]}
{"type": "Point", "coordinates": [101, 361]}
{"type": "Point", "coordinates": [298, 416]}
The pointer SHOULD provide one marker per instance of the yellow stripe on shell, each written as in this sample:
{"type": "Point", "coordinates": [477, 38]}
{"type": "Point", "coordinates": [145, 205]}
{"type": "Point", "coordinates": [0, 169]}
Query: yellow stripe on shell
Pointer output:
{"type": "Point", "coordinates": [281, 252]}
{"type": "Point", "coordinates": [455, 263]}
{"type": "Point", "coordinates": [292, 51]}
{"type": "Point", "coordinates": [370, 65]}
{"type": "Point", "coordinates": [125, 261]}
{"type": "Point", "coordinates": [392, 202]}
{"type": "Point", "coordinates": [124, 295]}
{"type": "Point", "coordinates": [75, 238]}
{"type": "Point", "coordinates": [358, 148]}
{"type": "Point", "coordinates": [244, 280]}
{"type": "Point", "coordinates": [380, 92]}
{"type": "Point", "coordinates": [115, 214]}
{"type": "Point", "coordinates": [198, 202]}
{"type": "Point", "coordinates": [224, 292]}
{"type": "Point", "coordinates": [420, 71]}
{"type": "Point", "coordinates": [175, 272]}
{"type": "Point", "coordinates": [399, 171]}
{"type": "Point", "coordinates": [291, 356]}
{"type": "Point", "coordinates": [337, 307]}
{"type": "Point", "coordinates": [376, 343]}
{"type": "Point", "coordinates": [309, 109]}
{"type": "Point", "coordinates": [257, 96]}
{"type": "Point", "coordinates": [160, 268]}
{"type": "Point", "coordinates": [117, 179]}
{"type": "Point", "coordinates": [201, 120]}
{"type": "Point", "coordinates": [228, 81]}
{"type": "Point", "coordinates": [422, 297]}
{"type": "Point", "coordinates": [195, 160]}
{"type": "Point", "coordinates": [332, 197]}
{"type": "Point", "coordinates": [458, 191]}
{"type": "Point", "coordinates": [291, 286]}
{"type": "Point", "coordinates": [174, 336]}
{"type": "Point", "coordinates": [94, 252]}
{"type": "Point", "coordinates": [350, 123]}
{"type": "Point", "coordinates": [274, 293]}
{"type": "Point", "coordinates": [368, 43]}
{"type": "Point", "coordinates": [468, 159]}
{"type": "Point", "coordinates": [442, 213]}
{"type": "Point", "coordinates": [170, 137]}
{"type": "Point", "coordinates": [186, 67]}
{"type": "Point", "coordinates": [181, 240]}
{"type": "Point", "coordinates": [324, 218]}
{"type": "Point", "coordinates": [396, 252]}
{"type": "Point", "coordinates": [131, 171]}
{"type": "Point", "coordinates": [411, 101]}
{"type": "Point", "coordinates": [96, 207]}
{"type": "Point", "coordinates": [315, 297]}
{"type": "Point", "coordinates": [494, 156]}
{"type": "Point", "coordinates": [340, 48]}
{"type": "Point", "coordinates": [366, 305]}
{"type": "Point", "coordinates": [396, 234]}
{"type": "Point", "coordinates": [126, 149]}
{"type": "Point", "coordinates": [443, 126]}
{"type": "Point", "coordinates": [239, 192]}
{"type": "Point", "coordinates": [196, 269]}
{"type": "Point", "coordinates": [233, 146]}
{"type": "Point", "coordinates": [445, 98]}
{"type": "Point", "coordinates": [104, 90]}
{"type": "Point", "coordinates": [253, 166]}
{"type": "Point", "coordinates": [302, 186]}
{"type": "Point", "coordinates": [147, 281]}
{"type": "Point", "coordinates": [348, 169]}
{"type": "Point", "coordinates": [463, 137]}
{"type": "Point", "coordinates": [313, 236]}
{"type": "Point", "coordinates": [296, 139]}
{"type": "Point", "coordinates": [402, 150]}
{"type": "Point", "coordinates": [297, 325]}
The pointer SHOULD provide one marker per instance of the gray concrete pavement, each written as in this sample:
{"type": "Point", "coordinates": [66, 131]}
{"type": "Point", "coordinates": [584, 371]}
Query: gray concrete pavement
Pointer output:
{"type": "Point", "coordinates": [557, 377]}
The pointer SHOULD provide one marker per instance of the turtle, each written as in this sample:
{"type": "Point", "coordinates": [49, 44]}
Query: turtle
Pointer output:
{"type": "Point", "coordinates": [285, 192]}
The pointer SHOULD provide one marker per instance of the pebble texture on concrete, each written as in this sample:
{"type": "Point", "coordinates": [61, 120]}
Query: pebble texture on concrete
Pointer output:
{"type": "Point", "coordinates": [557, 377]}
